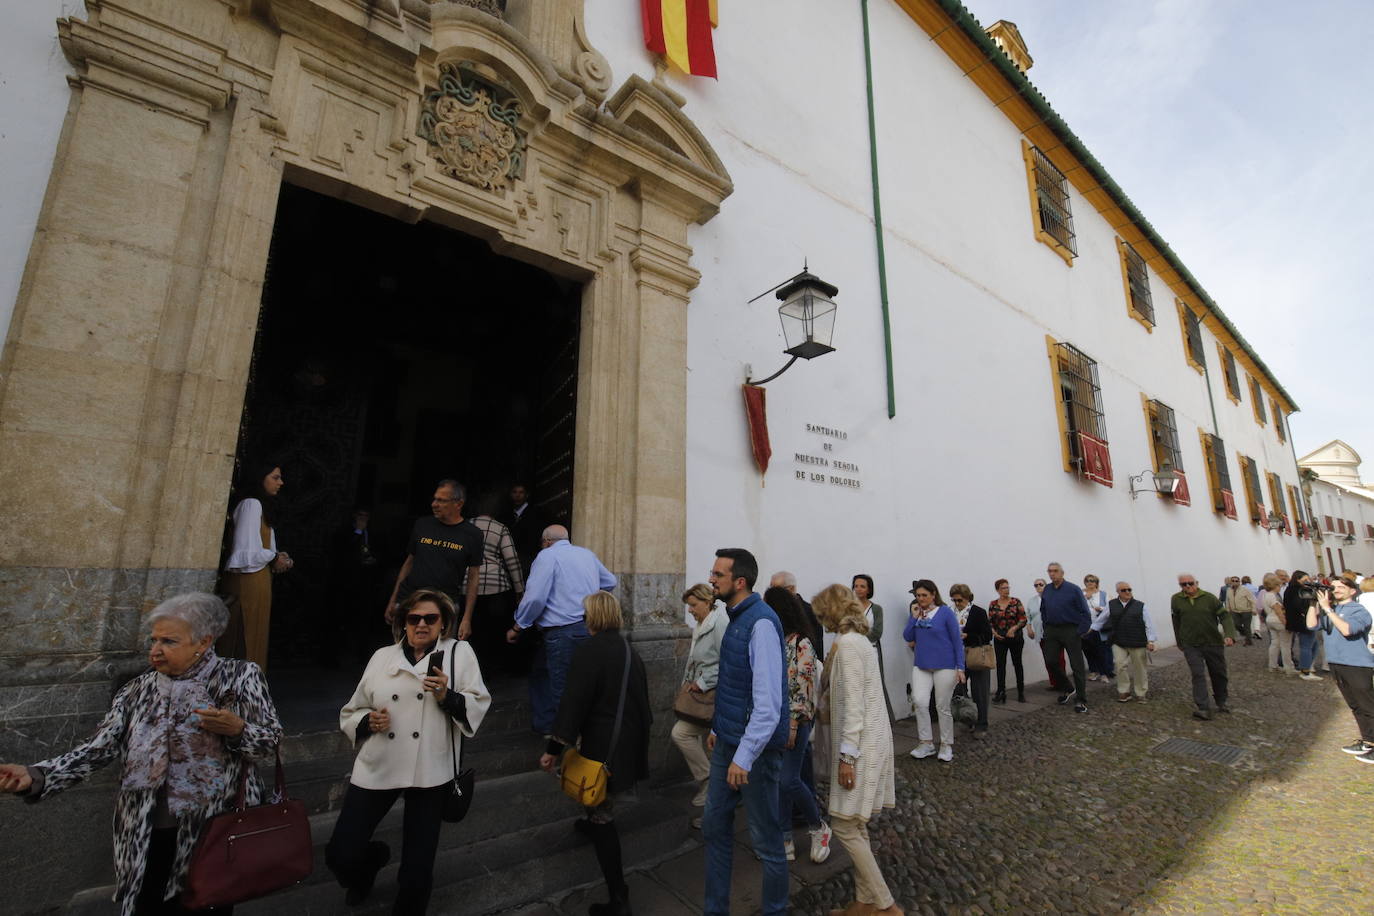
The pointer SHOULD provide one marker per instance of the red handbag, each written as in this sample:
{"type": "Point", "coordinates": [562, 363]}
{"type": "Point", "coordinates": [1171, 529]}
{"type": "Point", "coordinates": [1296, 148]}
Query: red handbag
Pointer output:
{"type": "Point", "coordinates": [246, 853]}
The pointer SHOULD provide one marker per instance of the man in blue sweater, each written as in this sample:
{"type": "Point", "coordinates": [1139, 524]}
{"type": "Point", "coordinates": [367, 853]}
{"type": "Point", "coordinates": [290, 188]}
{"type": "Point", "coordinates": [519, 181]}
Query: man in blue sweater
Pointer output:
{"type": "Point", "coordinates": [747, 737]}
{"type": "Point", "coordinates": [1065, 618]}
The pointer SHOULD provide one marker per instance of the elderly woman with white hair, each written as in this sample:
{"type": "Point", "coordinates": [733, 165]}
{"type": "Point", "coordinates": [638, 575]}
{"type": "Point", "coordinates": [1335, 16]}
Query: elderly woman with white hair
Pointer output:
{"type": "Point", "coordinates": [184, 729]}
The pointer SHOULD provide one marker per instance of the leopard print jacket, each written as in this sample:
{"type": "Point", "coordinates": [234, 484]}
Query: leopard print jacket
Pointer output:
{"type": "Point", "coordinates": [238, 684]}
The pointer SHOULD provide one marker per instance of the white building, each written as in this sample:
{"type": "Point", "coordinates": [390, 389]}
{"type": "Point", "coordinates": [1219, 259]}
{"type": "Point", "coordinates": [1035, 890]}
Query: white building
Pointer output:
{"type": "Point", "coordinates": [1342, 509]}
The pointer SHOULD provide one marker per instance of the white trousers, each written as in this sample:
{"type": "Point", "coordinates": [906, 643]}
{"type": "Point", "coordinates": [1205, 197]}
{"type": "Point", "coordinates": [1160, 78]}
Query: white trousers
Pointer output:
{"type": "Point", "coordinates": [941, 681]}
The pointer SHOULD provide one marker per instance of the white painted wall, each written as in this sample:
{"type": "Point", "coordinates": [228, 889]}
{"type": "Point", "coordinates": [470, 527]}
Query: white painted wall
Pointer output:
{"type": "Point", "coordinates": [33, 102]}
{"type": "Point", "coordinates": [966, 484]}
{"type": "Point", "coordinates": [1340, 503]}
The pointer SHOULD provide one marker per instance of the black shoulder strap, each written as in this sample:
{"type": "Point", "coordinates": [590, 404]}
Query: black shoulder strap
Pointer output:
{"type": "Point", "coordinates": [452, 669]}
{"type": "Point", "coordinates": [620, 706]}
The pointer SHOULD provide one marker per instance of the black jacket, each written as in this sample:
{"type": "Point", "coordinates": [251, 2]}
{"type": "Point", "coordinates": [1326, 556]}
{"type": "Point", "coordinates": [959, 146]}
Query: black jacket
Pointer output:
{"type": "Point", "coordinates": [1295, 609]}
{"type": "Point", "coordinates": [587, 710]}
{"type": "Point", "coordinates": [978, 630]}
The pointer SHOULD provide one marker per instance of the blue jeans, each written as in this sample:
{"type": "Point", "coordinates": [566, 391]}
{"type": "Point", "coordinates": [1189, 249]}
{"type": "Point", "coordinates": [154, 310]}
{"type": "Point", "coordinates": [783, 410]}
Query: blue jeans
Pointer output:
{"type": "Point", "coordinates": [550, 673]}
{"type": "Point", "coordinates": [760, 798]}
{"type": "Point", "coordinates": [794, 790]}
{"type": "Point", "coordinates": [1307, 647]}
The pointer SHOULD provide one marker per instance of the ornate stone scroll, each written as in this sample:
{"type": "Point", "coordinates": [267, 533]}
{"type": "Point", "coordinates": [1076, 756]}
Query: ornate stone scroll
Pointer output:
{"type": "Point", "coordinates": [472, 126]}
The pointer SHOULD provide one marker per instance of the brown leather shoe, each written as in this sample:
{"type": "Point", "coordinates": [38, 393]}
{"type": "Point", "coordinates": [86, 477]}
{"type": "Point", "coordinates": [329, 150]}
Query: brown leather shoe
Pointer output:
{"type": "Point", "coordinates": [855, 909]}
{"type": "Point", "coordinates": [893, 910]}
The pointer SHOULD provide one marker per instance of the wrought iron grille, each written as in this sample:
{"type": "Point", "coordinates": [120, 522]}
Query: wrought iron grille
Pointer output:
{"type": "Point", "coordinates": [1278, 421]}
{"type": "Point", "coordinates": [1294, 504]}
{"type": "Point", "coordinates": [1164, 436]}
{"type": "Point", "coordinates": [1192, 329]}
{"type": "Point", "coordinates": [1275, 493]}
{"type": "Point", "coordinates": [1052, 193]}
{"type": "Point", "coordinates": [1221, 476]}
{"type": "Point", "coordinates": [1232, 379]}
{"type": "Point", "coordinates": [1139, 283]}
{"type": "Point", "coordinates": [1081, 396]}
{"type": "Point", "coordinates": [1257, 395]}
{"type": "Point", "coordinates": [1253, 495]}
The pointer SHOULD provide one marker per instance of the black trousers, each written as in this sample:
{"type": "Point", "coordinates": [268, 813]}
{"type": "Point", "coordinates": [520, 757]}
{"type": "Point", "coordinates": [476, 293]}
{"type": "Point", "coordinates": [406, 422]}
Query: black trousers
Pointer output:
{"type": "Point", "coordinates": [1065, 636]}
{"type": "Point", "coordinates": [492, 616]}
{"type": "Point", "coordinates": [157, 868]}
{"type": "Point", "coordinates": [363, 809]}
{"type": "Point", "coordinates": [1358, 690]}
{"type": "Point", "coordinates": [1205, 662]}
{"type": "Point", "coordinates": [978, 689]}
{"type": "Point", "coordinates": [1012, 647]}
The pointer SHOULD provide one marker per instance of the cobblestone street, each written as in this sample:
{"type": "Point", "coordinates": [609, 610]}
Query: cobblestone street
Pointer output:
{"type": "Point", "coordinates": [1058, 812]}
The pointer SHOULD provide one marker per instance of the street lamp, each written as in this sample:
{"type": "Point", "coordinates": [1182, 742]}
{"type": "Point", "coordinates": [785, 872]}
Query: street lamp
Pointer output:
{"type": "Point", "coordinates": [1348, 540]}
{"type": "Point", "coordinates": [1165, 480]}
{"type": "Point", "coordinates": [807, 314]}
{"type": "Point", "coordinates": [1275, 522]}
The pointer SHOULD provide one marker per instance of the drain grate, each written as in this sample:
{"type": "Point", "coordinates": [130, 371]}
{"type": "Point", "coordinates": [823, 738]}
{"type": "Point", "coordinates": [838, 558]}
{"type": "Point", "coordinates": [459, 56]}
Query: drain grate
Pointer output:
{"type": "Point", "coordinates": [1186, 747]}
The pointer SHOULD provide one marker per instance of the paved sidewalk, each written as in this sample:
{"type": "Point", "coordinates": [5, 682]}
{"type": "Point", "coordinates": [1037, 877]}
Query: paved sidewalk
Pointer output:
{"type": "Point", "coordinates": [1054, 811]}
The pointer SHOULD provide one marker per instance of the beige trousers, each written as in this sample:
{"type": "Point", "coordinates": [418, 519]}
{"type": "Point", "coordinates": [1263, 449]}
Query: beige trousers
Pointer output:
{"type": "Point", "coordinates": [254, 591]}
{"type": "Point", "coordinates": [691, 740]}
{"type": "Point", "coordinates": [869, 886]}
{"type": "Point", "coordinates": [1131, 669]}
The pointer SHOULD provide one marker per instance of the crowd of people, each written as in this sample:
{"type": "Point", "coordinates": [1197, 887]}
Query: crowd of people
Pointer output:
{"type": "Point", "coordinates": [771, 714]}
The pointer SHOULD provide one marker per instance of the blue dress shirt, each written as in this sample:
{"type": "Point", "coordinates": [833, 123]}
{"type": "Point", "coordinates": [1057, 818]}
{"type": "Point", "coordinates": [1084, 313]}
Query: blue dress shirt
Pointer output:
{"type": "Point", "coordinates": [560, 577]}
{"type": "Point", "coordinates": [765, 660]}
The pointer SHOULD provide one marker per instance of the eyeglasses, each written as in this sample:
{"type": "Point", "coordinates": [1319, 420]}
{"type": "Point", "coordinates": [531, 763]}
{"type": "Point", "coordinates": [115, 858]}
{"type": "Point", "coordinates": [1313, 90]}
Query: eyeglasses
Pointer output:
{"type": "Point", "coordinates": [1123, 589]}
{"type": "Point", "coordinates": [1187, 584]}
{"type": "Point", "coordinates": [1039, 585]}
{"type": "Point", "coordinates": [1093, 581]}
{"type": "Point", "coordinates": [414, 620]}
{"type": "Point", "coordinates": [445, 499]}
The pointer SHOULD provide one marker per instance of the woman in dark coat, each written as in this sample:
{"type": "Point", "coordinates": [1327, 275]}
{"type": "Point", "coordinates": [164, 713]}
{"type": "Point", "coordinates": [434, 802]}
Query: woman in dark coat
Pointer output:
{"type": "Point", "coordinates": [977, 630]}
{"type": "Point", "coordinates": [587, 712]}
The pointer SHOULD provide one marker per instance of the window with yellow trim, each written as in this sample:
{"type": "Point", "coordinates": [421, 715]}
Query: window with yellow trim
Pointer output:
{"type": "Point", "coordinates": [1218, 475]}
{"type": "Point", "coordinates": [1295, 506]}
{"type": "Point", "coordinates": [1257, 401]}
{"type": "Point", "coordinates": [1082, 423]}
{"type": "Point", "coordinates": [1254, 496]}
{"type": "Point", "coordinates": [1192, 337]}
{"type": "Point", "coordinates": [1228, 364]}
{"type": "Point", "coordinates": [1139, 304]}
{"type": "Point", "coordinates": [1279, 421]}
{"type": "Point", "coordinates": [1049, 191]}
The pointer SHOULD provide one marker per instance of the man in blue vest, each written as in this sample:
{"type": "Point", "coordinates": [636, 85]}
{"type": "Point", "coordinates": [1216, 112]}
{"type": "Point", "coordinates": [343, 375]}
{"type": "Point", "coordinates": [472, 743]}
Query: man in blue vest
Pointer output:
{"type": "Point", "coordinates": [747, 737]}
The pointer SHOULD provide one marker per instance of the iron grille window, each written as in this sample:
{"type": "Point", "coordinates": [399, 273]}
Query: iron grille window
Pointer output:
{"type": "Point", "coordinates": [1081, 397]}
{"type": "Point", "coordinates": [1052, 200]}
{"type": "Point", "coordinates": [1164, 436]}
{"type": "Point", "coordinates": [1294, 506]}
{"type": "Point", "coordinates": [1278, 420]}
{"type": "Point", "coordinates": [1192, 331]}
{"type": "Point", "coordinates": [1257, 396]}
{"type": "Point", "coordinates": [1228, 362]}
{"type": "Point", "coordinates": [1219, 476]}
{"type": "Point", "coordinates": [1275, 493]}
{"type": "Point", "coordinates": [1139, 284]}
{"type": "Point", "coordinates": [1254, 497]}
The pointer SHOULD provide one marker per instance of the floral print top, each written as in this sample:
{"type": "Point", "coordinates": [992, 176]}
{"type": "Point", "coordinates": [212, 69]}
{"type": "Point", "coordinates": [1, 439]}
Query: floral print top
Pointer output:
{"type": "Point", "coordinates": [801, 677]}
{"type": "Point", "coordinates": [1004, 620]}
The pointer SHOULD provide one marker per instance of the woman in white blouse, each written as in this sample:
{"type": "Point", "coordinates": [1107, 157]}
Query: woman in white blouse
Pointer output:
{"type": "Point", "coordinates": [253, 557]}
{"type": "Point", "coordinates": [1095, 648]}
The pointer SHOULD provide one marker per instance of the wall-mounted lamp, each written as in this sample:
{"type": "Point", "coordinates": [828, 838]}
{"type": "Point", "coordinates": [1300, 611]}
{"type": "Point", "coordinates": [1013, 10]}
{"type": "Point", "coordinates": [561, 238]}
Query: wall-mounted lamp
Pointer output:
{"type": "Point", "coordinates": [808, 319]}
{"type": "Point", "coordinates": [1348, 540]}
{"type": "Point", "coordinates": [1165, 481]}
{"type": "Point", "coordinates": [1275, 522]}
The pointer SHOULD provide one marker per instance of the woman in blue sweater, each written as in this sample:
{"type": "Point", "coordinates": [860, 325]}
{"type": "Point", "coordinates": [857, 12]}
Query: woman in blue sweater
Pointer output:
{"type": "Point", "coordinates": [933, 634]}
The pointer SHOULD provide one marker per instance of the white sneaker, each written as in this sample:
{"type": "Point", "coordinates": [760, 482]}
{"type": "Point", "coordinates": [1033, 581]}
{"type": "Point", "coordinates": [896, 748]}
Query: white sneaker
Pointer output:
{"type": "Point", "coordinates": [1310, 677]}
{"type": "Point", "coordinates": [699, 800]}
{"type": "Point", "coordinates": [922, 751]}
{"type": "Point", "coordinates": [820, 843]}
{"type": "Point", "coordinates": [946, 752]}
{"type": "Point", "coordinates": [789, 849]}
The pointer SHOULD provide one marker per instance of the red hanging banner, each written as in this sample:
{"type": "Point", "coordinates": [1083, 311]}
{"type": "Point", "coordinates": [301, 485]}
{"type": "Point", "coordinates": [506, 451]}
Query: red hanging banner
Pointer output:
{"type": "Point", "coordinates": [1181, 495]}
{"type": "Point", "coordinates": [756, 409]}
{"type": "Point", "coordinates": [1228, 504]}
{"type": "Point", "coordinates": [1097, 460]}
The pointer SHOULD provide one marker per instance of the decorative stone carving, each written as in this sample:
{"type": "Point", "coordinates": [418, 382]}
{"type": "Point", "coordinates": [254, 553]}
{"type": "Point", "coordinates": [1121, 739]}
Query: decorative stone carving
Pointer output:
{"type": "Point", "coordinates": [472, 126]}
{"type": "Point", "coordinates": [592, 69]}
{"type": "Point", "coordinates": [491, 7]}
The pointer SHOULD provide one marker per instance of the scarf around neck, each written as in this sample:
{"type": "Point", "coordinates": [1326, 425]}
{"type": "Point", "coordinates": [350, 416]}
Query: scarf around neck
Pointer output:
{"type": "Point", "coordinates": [168, 749]}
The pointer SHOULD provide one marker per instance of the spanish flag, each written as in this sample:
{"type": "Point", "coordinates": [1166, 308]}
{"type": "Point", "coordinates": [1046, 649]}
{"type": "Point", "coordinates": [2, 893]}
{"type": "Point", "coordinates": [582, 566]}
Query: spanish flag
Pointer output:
{"type": "Point", "coordinates": [680, 30]}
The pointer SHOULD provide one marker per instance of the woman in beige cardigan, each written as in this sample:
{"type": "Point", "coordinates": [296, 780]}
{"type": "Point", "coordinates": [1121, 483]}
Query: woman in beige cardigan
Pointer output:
{"type": "Point", "coordinates": [861, 771]}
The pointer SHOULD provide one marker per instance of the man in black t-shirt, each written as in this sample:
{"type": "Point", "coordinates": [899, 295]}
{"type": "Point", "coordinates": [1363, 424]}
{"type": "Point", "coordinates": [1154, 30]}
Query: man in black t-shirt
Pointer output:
{"type": "Point", "coordinates": [444, 550]}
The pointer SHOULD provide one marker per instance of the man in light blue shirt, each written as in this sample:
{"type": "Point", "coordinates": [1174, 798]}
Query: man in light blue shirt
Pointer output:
{"type": "Point", "coordinates": [560, 577]}
{"type": "Point", "coordinates": [747, 736]}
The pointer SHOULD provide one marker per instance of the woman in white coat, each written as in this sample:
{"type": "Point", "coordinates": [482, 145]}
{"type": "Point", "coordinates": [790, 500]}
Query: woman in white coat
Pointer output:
{"type": "Point", "coordinates": [861, 775]}
{"type": "Point", "coordinates": [703, 664]}
{"type": "Point", "coordinates": [416, 702]}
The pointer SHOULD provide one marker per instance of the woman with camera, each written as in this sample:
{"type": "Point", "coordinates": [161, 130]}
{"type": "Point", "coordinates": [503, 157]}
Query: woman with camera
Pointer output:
{"type": "Point", "coordinates": [1339, 614]}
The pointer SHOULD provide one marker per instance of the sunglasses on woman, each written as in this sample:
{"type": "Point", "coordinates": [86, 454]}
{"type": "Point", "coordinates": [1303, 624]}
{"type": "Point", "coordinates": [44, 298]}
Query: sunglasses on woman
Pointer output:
{"type": "Point", "coordinates": [415, 620]}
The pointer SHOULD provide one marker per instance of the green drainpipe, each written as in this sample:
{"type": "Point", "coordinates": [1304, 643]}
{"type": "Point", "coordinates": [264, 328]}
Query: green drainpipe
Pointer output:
{"type": "Point", "coordinates": [878, 214]}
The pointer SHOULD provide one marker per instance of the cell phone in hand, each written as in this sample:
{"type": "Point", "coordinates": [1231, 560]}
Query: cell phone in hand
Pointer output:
{"type": "Point", "coordinates": [436, 664]}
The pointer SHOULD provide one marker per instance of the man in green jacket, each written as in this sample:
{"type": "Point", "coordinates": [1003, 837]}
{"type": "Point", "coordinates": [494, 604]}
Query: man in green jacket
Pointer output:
{"type": "Point", "coordinates": [1202, 629]}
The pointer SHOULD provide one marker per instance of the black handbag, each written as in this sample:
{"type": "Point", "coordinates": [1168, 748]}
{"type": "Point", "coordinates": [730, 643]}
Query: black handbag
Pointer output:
{"type": "Point", "coordinates": [459, 799]}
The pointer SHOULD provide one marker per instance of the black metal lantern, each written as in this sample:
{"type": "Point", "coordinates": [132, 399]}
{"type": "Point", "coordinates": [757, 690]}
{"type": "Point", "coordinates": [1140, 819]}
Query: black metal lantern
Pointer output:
{"type": "Point", "coordinates": [807, 314]}
{"type": "Point", "coordinates": [1166, 480]}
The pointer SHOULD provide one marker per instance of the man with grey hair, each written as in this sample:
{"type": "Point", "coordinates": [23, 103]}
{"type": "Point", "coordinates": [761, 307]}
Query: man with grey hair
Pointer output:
{"type": "Point", "coordinates": [445, 553]}
{"type": "Point", "coordinates": [815, 632]}
{"type": "Point", "coordinates": [1203, 629]}
{"type": "Point", "coordinates": [561, 575]}
{"type": "Point", "coordinates": [1066, 618]}
{"type": "Point", "coordinates": [1133, 638]}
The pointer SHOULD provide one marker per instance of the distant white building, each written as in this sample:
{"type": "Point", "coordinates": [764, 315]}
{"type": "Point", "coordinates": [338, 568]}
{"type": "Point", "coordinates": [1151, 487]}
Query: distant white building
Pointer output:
{"type": "Point", "coordinates": [1342, 508]}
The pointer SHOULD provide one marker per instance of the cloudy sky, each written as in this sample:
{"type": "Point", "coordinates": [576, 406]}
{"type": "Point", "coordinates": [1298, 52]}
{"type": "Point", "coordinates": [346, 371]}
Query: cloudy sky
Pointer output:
{"type": "Point", "coordinates": [1244, 131]}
